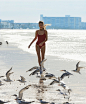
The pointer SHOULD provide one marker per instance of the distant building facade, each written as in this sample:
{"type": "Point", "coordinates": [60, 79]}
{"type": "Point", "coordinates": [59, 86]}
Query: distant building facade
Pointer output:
{"type": "Point", "coordinates": [25, 25]}
{"type": "Point", "coordinates": [66, 22]}
{"type": "Point", "coordinates": [6, 24]}
{"type": "Point", "coordinates": [9, 24]}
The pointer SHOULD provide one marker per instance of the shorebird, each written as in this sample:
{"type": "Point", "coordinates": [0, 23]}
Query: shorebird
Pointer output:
{"type": "Point", "coordinates": [35, 72]}
{"type": "Point", "coordinates": [50, 76]}
{"type": "Point", "coordinates": [19, 97]}
{"type": "Point", "coordinates": [8, 75]}
{"type": "Point", "coordinates": [22, 80]}
{"type": "Point", "coordinates": [0, 43]}
{"type": "Point", "coordinates": [7, 42]}
{"type": "Point", "coordinates": [65, 74]}
{"type": "Point", "coordinates": [2, 102]}
{"type": "Point", "coordinates": [78, 68]}
{"type": "Point", "coordinates": [37, 69]}
{"type": "Point", "coordinates": [42, 70]}
{"type": "Point", "coordinates": [65, 71]}
{"type": "Point", "coordinates": [62, 93]}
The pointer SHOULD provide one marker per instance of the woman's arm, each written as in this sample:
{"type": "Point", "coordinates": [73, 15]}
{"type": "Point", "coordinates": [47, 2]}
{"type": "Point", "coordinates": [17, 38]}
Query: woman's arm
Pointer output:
{"type": "Point", "coordinates": [45, 39]}
{"type": "Point", "coordinates": [33, 39]}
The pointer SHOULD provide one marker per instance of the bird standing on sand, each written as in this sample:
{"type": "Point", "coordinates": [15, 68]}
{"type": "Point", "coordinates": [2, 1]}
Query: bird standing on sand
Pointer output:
{"type": "Point", "coordinates": [78, 68]}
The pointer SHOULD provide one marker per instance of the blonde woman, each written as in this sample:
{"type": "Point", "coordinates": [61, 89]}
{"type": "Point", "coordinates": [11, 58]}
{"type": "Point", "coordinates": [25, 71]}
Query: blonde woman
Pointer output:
{"type": "Point", "coordinates": [42, 36]}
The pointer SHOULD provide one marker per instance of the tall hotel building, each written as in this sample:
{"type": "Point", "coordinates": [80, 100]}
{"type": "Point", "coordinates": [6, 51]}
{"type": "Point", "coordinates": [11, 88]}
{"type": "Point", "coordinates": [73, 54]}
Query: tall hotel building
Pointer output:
{"type": "Point", "coordinates": [66, 22]}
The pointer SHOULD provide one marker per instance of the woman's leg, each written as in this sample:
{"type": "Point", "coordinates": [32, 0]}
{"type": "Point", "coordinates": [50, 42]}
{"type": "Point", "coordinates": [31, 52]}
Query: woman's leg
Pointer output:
{"type": "Point", "coordinates": [43, 52]}
{"type": "Point", "coordinates": [38, 54]}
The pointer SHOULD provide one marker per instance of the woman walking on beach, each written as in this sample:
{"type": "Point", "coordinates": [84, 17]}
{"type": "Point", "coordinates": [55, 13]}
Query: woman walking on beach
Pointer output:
{"type": "Point", "coordinates": [42, 36]}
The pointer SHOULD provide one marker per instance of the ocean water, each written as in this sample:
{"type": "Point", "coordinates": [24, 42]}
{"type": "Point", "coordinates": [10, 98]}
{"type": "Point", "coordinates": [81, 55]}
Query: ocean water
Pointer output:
{"type": "Point", "coordinates": [64, 44]}
{"type": "Point", "coordinates": [69, 44]}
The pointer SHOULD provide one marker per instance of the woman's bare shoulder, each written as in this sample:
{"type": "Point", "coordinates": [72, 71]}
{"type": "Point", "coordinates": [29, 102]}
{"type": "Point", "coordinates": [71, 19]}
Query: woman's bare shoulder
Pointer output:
{"type": "Point", "coordinates": [45, 31]}
{"type": "Point", "coordinates": [36, 31]}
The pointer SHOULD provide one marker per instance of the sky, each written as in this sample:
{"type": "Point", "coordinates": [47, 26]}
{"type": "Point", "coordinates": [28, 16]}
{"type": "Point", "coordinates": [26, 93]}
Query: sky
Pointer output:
{"type": "Point", "coordinates": [24, 11]}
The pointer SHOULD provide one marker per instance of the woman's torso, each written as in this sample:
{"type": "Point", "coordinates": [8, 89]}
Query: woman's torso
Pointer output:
{"type": "Point", "coordinates": [41, 37]}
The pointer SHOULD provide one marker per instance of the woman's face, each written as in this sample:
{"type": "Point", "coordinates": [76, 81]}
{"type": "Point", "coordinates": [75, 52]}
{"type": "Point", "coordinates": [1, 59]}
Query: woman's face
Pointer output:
{"type": "Point", "coordinates": [41, 25]}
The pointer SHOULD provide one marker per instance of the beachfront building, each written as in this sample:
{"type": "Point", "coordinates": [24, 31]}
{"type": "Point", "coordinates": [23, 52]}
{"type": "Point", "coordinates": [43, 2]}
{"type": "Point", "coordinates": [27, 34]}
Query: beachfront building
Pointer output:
{"type": "Point", "coordinates": [83, 25]}
{"type": "Point", "coordinates": [66, 22]}
{"type": "Point", "coordinates": [25, 25]}
{"type": "Point", "coordinates": [6, 24]}
{"type": "Point", "coordinates": [9, 24]}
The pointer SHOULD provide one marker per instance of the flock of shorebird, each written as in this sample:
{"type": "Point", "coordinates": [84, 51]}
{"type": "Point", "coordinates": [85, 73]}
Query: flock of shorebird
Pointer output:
{"type": "Point", "coordinates": [43, 75]}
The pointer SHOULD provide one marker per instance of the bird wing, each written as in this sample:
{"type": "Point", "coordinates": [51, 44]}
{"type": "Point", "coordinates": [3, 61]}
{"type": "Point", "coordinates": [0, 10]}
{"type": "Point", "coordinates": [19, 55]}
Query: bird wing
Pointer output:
{"type": "Point", "coordinates": [34, 72]}
{"type": "Point", "coordinates": [35, 67]}
{"type": "Point", "coordinates": [77, 65]}
{"type": "Point", "coordinates": [8, 71]}
{"type": "Point", "coordinates": [42, 62]}
{"type": "Point", "coordinates": [53, 82]}
{"type": "Point", "coordinates": [63, 75]}
{"type": "Point", "coordinates": [22, 90]}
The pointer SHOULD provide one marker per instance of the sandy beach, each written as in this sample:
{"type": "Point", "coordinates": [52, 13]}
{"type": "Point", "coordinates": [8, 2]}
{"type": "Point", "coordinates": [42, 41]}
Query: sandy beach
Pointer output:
{"type": "Point", "coordinates": [21, 61]}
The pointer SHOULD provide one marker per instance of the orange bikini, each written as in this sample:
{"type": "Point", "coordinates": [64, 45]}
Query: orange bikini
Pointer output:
{"type": "Point", "coordinates": [41, 38]}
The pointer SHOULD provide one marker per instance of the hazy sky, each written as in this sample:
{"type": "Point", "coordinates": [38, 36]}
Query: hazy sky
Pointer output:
{"type": "Point", "coordinates": [30, 10]}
